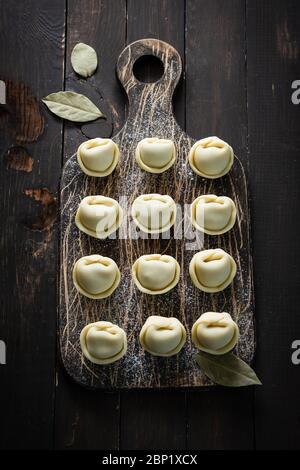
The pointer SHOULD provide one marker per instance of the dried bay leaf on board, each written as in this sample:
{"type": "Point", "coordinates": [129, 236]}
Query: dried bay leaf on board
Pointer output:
{"type": "Point", "coordinates": [72, 106]}
{"type": "Point", "coordinates": [84, 59]}
{"type": "Point", "coordinates": [227, 370]}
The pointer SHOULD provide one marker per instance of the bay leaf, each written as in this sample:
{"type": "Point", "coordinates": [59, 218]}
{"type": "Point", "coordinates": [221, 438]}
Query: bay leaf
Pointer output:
{"type": "Point", "coordinates": [72, 106]}
{"type": "Point", "coordinates": [227, 370]}
{"type": "Point", "coordinates": [84, 59]}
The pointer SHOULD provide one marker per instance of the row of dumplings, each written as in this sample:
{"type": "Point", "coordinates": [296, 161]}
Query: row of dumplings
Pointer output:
{"type": "Point", "coordinates": [97, 276]}
{"type": "Point", "coordinates": [104, 343]}
{"type": "Point", "coordinates": [211, 270]}
{"type": "Point", "coordinates": [210, 157]}
{"type": "Point", "coordinates": [100, 216]}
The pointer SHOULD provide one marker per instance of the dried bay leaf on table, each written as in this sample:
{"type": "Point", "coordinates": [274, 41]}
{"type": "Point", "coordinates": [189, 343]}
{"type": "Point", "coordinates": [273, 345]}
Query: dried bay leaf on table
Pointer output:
{"type": "Point", "coordinates": [84, 59]}
{"type": "Point", "coordinates": [227, 370]}
{"type": "Point", "coordinates": [72, 106]}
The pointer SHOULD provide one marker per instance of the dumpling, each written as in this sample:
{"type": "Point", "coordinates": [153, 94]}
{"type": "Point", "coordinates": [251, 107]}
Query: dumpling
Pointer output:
{"type": "Point", "coordinates": [162, 336]}
{"type": "Point", "coordinates": [212, 270]}
{"type": "Point", "coordinates": [103, 342]}
{"type": "Point", "coordinates": [154, 213]}
{"type": "Point", "coordinates": [155, 274]}
{"type": "Point", "coordinates": [213, 214]}
{"type": "Point", "coordinates": [155, 155]}
{"type": "Point", "coordinates": [211, 157]}
{"type": "Point", "coordinates": [98, 157]}
{"type": "Point", "coordinates": [96, 276]}
{"type": "Point", "coordinates": [215, 333]}
{"type": "Point", "coordinates": [98, 216]}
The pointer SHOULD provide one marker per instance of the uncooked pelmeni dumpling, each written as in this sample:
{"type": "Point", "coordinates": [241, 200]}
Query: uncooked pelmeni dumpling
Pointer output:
{"type": "Point", "coordinates": [211, 157]}
{"type": "Point", "coordinates": [212, 270]}
{"type": "Point", "coordinates": [98, 157]}
{"type": "Point", "coordinates": [162, 336]}
{"type": "Point", "coordinates": [154, 213]}
{"type": "Point", "coordinates": [155, 155]}
{"type": "Point", "coordinates": [215, 333]}
{"type": "Point", "coordinates": [96, 276]}
{"type": "Point", "coordinates": [155, 274]}
{"type": "Point", "coordinates": [103, 342]}
{"type": "Point", "coordinates": [98, 216]}
{"type": "Point", "coordinates": [213, 214]}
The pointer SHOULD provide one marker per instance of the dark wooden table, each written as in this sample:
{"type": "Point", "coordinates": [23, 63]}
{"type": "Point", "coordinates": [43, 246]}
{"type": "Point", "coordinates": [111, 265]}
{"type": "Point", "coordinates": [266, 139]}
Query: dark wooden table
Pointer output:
{"type": "Point", "coordinates": [240, 59]}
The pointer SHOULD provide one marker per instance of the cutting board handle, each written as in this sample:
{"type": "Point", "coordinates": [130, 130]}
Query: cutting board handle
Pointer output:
{"type": "Point", "coordinates": [162, 88]}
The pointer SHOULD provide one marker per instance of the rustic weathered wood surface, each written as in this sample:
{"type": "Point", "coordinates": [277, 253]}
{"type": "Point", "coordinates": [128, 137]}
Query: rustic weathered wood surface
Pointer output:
{"type": "Point", "coordinates": [241, 58]}
{"type": "Point", "coordinates": [150, 114]}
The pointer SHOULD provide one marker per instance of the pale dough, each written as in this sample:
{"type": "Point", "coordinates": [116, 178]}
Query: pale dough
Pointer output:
{"type": "Point", "coordinates": [155, 155]}
{"type": "Point", "coordinates": [154, 213]}
{"type": "Point", "coordinates": [103, 342]}
{"type": "Point", "coordinates": [98, 216]}
{"type": "Point", "coordinates": [155, 274]}
{"type": "Point", "coordinates": [212, 270]}
{"type": "Point", "coordinates": [215, 333]}
{"type": "Point", "coordinates": [96, 276]}
{"type": "Point", "coordinates": [162, 336]}
{"type": "Point", "coordinates": [213, 214]}
{"type": "Point", "coordinates": [98, 157]}
{"type": "Point", "coordinates": [211, 157]}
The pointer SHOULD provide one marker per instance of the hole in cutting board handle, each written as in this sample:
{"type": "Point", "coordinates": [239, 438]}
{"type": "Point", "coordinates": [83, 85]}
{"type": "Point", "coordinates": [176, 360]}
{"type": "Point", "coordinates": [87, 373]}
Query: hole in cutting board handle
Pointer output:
{"type": "Point", "coordinates": [148, 69]}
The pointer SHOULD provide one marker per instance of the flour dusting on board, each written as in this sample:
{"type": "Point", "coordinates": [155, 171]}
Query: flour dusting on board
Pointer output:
{"type": "Point", "coordinates": [150, 115]}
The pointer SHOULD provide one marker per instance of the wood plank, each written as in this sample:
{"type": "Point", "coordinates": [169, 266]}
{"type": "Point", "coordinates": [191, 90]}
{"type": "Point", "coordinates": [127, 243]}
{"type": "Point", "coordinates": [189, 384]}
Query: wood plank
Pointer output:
{"type": "Point", "coordinates": [273, 64]}
{"type": "Point", "coordinates": [76, 185]}
{"type": "Point", "coordinates": [220, 419]}
{"type": "Point", "coordinates": [101, 24]}
{"type": "Point", "coordinates": [216, 105]}
{"type": "Point", "coordinates": [153, 419]}
{"type": "Point", "coordinates": [85, 419]}
{"type": "Point", "coordinates": [31, 49]}
{"type": "Point", "coordinates": [163, 20]}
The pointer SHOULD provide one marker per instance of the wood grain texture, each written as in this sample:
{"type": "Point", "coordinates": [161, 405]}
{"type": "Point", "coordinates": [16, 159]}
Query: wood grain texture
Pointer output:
{"type": "Point", "coordinates": [102, 25]}
{"type": "Point", "coordinates": [153, 419]}
{"type": "Point", "coordinates": [150, 113]}
{"type": "Point", "coordinates": [165, 20]}
{"type": "Point", "coordinates": [220, 419]}
{"type": "Point", "coordinates": [79, 420]}
{"type": "Point", "coordinates": [273, 44]}
{"type": "Point", "coordinates": [31, 49]}
{"type": "Point", "coordinates": [85, 419]}
{"type": "Point", "coordinates": [216, 105]}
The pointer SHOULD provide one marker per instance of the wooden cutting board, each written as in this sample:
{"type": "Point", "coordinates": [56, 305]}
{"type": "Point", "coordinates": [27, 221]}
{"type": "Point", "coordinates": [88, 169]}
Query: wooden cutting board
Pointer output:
{"type": "Point", "coordinates": [150, 115]}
